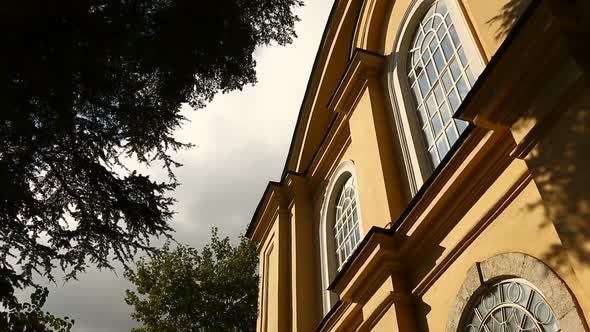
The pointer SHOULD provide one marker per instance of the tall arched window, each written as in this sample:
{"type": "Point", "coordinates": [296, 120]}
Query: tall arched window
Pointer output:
{"type": "Point", "coordinates": [340, 226]}
{"type": "Point", "coordinates": [440, 77]}
{"type": "Point", "coordinates": [347, 231]}
{"type": "Point", "coordinates": [435, 62]}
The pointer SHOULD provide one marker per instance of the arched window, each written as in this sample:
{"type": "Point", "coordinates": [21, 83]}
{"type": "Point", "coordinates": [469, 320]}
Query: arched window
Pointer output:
{"type": "Point", "coordinates": [513, 292]}
{"type": "Point", "coordinates": [435, 62]}
{"type": "Point", "coordinates": [511, 305]}
{"type": "Point", "coordinates": [347, 233]}
{"type": "Point", "coordinates": [340, 226]}
{"type": "Point", "coordinates": [439, 77]}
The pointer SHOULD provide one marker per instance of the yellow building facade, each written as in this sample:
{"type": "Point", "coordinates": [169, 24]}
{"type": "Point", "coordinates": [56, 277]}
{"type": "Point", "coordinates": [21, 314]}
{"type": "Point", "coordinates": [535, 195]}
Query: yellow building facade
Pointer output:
{"type": "Point", "coordinates": [438, 177]}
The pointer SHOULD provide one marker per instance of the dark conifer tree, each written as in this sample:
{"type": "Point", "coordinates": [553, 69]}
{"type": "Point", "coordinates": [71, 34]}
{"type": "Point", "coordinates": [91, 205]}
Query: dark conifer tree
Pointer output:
{"type": "Point", "coordinates": [86, 84]}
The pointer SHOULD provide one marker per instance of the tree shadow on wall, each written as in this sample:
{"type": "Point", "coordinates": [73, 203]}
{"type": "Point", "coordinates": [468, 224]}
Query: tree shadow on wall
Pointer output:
{"type": "Point", "coordinates": [560, 162]}
{"type": "Point", "coordinates": [561, 169]}
{"type": "Point", "coordinates": [508, 16]}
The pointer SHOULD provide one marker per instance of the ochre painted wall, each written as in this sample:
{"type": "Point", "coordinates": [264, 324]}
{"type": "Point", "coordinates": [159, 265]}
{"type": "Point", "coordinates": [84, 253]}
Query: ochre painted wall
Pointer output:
{"type": "Point", "coordinates": [560, 164]}
{"type": "Point", "coordinates": [491, 20]}
{"type": "Point", "coordinates": [394, 21]}
{"type": "Point", "coordinates": [522, 227]}
{"type": "Point", "coordinates": [268, 298]}
{"type": "Point", "coordinates": [387, 322]}
{"type": "Point", "coordinates": [364, 152]}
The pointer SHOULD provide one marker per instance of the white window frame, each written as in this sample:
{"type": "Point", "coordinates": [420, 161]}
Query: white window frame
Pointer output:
{"type": "Point", "coordinates": [329, 265]}
{"type": "Point", "coordinates": [351, 236]}
{"type": "Point", "coordinates": [416, 158]}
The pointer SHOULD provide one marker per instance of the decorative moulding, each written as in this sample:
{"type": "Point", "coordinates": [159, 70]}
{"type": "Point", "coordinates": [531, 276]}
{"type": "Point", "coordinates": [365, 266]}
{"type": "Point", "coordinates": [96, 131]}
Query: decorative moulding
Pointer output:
{"type": "Point", "coordinates": [266, 213]}
{"type": "Point", "coordinates": [362, 66]}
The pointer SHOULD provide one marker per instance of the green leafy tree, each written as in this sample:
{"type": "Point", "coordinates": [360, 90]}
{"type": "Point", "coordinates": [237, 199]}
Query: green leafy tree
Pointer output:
{"type": "Point", "coordinates": [182, 290]}
{"type": "Point", "coordinates": [85, 86]}
{"type": "Point", "coordinates": [29, 317]}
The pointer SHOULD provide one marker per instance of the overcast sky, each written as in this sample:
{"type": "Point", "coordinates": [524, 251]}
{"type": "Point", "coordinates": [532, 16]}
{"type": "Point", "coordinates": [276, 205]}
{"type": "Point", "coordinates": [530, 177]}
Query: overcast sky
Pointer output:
{"type": "Point", "coordinates": [242, 140]}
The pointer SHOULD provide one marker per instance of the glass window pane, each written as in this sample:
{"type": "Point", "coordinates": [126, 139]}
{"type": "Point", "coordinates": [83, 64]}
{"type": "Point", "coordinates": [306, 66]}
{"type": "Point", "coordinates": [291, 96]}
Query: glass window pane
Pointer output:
{"type": "Point", "coordinates": [428, 24]}
{"type": "Point", "coordinates": [433, 156]}
{"type": "Point", "coordinates": [451, 134]}
{"type": "Point", "coordinates": [431, 72]}
{"type": "Point", "coordinates": [418, 40]}
{"type": "Point", "coordinates": [470, 76]}
{"type": "Point", "coordinates": [428, 134]}
{"type": "Point", "coordinates": [424, 41]}
{"type": "Point", "coordinates": [431, 105]}
{"type": "Point", "coordinates": [454, 100]}
{"type": "Point", "coordinates": [462, 56]}
{"type": "Point", "coordinates": [430, 11]}
{"type": "Point", "coordinates": [418, 69]}
{"type": "Point", "coordinates": [447, 81]}
{"type": "Point", "coordinates": [437, 124]}
{"type": "Point", "coordinates": [423, 82]}
{"type": "Point", "coordinates": [415, 57]}
{"type": "Point", "coordinates": [447, 47]}
{"type": "Point", "coordinates": [425, 55]}
{"type": "Point", "coordinates": [439, 61]}
{"type": "Point", "coordinates": [445, 113]}
{"type": "Point", "coordinates": [454, 36]}
{"type": "Point", "coordinates": [462, 87]}
{"type": "Point", "coordinates": [441, 8]}
{"type": "Point", "coordinates": [422, 116]}
{"type": "Point", "coordinates": [416, 94]}
{"type": "Point", "coordinates": [436, 22]}
{"type": "Point", "coordinates": [440, 32]}
{"type": "Point", "coordinates": [441, 145]}
{"type": "Point", "coordinates": [438, 93]}
{"type": "Point", "coordinates": [433, 44]}
{"type": "Point", "coordinates": [455, 69]}
{"type": "Point", "coordinates": [461, 125]}
{"type": "Point", "coordinates": [448, 20]}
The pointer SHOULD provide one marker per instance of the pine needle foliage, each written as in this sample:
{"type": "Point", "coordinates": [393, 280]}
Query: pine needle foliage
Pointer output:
{"type": "Point", "coordinates": [90, 86]}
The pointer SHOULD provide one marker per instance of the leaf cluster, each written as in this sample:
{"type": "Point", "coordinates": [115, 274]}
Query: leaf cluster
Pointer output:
{"type": "Point", "coordinates": [29, 317]}
{"type": "Point", "coordinates": [180, 289]}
